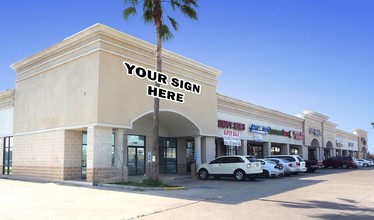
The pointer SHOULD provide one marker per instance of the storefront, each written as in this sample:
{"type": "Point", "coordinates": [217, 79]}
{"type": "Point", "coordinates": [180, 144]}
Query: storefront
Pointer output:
{"type": "Point", "coordinates": [84, 110]}
{"type": "Point", "coordinates": [261, 131]}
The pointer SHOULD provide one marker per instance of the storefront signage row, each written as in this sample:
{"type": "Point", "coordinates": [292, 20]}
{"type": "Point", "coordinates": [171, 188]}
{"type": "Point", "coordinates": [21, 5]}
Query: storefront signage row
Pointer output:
{"type": "Point", "coordinates": [268, 130]}
{"type": "Point", "coordinates": [291, 134]}
{"type": "Point", "coordinates": [163, 79]}
{"type": "Point", "coordinates": [350, 144]}
{"type": "Point", "coordinates": [339, 143]}
{"type": "Point", "coordinates": [363, 140]}
{"type": "Point", "coordinates": [259, 129]}
{"type": "Point", "coordinates": [315, 131]}
{"type": "Point", "coordinates": [232, 125]}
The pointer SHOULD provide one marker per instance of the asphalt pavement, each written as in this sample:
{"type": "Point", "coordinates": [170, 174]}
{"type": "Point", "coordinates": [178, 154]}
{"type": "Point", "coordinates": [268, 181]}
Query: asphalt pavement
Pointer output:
{"type": "Point", "coordinates": [326, 194]}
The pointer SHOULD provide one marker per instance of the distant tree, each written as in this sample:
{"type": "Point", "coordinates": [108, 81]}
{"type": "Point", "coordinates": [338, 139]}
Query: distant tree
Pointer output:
{"type": "Point", "coordinates": [153, 12]}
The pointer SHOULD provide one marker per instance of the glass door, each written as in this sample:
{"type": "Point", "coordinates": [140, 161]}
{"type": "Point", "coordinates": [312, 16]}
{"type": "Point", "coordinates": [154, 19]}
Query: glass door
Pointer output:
{"type": "Point", "coordinates": [136, 155]}
{"type": "Point", "coordinates": [135, 160]}
{"type": "Point", "coordinates": [84, 156]}
{"type": "Point", "coordinates": [190, 154]}
{"type": "Point", "coordinates": [8, 155]}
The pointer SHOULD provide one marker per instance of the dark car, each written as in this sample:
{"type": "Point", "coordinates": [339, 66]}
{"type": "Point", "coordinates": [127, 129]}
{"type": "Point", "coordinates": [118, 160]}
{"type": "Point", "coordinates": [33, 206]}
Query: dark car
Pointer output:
{"type": "Point", "coordinates": [337, 162]}
{"type": "Point", "coordinates": [311, 165]}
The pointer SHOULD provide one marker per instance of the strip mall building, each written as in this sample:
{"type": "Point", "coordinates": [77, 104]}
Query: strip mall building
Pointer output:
{"type": "Point", "coordinates": [82, 109]}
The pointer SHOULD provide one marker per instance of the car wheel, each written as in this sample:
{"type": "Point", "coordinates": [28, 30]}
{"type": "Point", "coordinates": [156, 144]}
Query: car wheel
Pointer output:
{"type": "Point", "coordinates": [365, 164]}
{"type": "Point", "coordinates": [265, 174]}
{"type": "Point", "coordinates": [203, 174]}
{"type": "Point", "coordinates": [239, 175]}
{"type": "Point", "coordinates": [345, 166]}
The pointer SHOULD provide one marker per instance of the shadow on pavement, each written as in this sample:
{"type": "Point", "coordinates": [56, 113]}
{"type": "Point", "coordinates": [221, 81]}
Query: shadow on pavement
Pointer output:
{"type": "Point", "coordinates": [229, 191]}
{"type": "Point", "coordinates": [346, 209]}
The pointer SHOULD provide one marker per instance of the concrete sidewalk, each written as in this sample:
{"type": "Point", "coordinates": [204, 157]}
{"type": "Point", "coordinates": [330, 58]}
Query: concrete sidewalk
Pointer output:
{"type": "Point", "coordinates": [327, 194]}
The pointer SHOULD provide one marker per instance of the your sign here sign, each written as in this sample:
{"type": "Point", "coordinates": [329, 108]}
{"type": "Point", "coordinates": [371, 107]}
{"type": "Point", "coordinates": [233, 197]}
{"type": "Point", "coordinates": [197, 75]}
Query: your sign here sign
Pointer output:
{"type": "Point", "coordinates": [163, 79]}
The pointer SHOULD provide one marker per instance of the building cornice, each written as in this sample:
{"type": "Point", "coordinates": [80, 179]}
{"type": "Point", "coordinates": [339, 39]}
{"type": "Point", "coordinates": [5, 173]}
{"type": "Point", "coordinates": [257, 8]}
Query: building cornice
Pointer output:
{"type": "Point", "coordinates": [7, 98]}
{"type": "Point", "coordinates": [261, 112]}
{"type": "Point", "coordinates": [91, 40]}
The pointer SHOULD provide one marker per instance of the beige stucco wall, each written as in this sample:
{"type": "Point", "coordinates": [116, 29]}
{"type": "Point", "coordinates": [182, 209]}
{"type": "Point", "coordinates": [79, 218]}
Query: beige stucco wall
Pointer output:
{"type": "Point", "coordinates": [346, 138]}
{"type": "Point", "coordinates": [63, 96]}
{"type": "Point", "coordinates": [6, 112]}
{"type": "Point", "coordinates": [81, 82]}
{"type": "Point", "coordinates": [122, 98]}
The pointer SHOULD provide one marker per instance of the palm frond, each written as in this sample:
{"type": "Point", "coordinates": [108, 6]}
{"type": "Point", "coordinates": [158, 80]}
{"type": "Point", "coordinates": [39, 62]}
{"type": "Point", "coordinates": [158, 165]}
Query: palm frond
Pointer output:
{"type": "Point", "coordinates": [129, 11]}
{"type": "Point", "coordinates": [190, 2]}
{"type": "Point", "coordinates": [148, 16]}
{"type": "Point", "coordinates": [173, 23]}
{"type": "Point", "coordinates": [131, 2]}
{"type": "Point", "coordinates": [189, 12]}
{"type": "Point", "coordinates": [174, 3]}
{"type": "Point", "coordinates": [165, 33]}
{"type": "Point", "coordinates": [148, 5]}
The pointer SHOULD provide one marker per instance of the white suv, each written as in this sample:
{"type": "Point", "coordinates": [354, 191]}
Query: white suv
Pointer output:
{"type": "Point", "coordinates": [238, 166]}
{"type": "Point", "coordinates": [295, 160]}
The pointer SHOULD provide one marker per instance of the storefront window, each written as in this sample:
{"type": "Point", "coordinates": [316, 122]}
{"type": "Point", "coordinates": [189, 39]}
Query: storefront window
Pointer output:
{"type": "Point", "coordinates": [231, 150]}
{"type": "Point", "coordinates": [168, 155]}
{"type": "Point", "coordinates": [294, 151]}
{"type": "Point", "coordinates": [256, 151]}
{"type": "Point", "coordinates": [276, 151]}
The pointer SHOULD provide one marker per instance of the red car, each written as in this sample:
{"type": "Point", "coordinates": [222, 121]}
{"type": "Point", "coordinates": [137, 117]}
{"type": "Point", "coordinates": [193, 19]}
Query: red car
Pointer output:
{"type": "Point", "coordinates": [337, 162]}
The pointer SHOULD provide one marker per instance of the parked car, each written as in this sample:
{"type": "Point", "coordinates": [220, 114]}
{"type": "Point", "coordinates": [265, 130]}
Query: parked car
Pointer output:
{"type": "Point", "coordinates": [296, 159]}
{"type": "Point", "coordinates": [271, 169]}
{"type": "Point", "coordinates": [289, 167]}
{"type": "Point", "coordinates": [358, 163]}
{"type": "Point", "coordinates": [240, 167]}
{"type": "Point", "coordinates": [366, 163]}
{"type": "Point", "coordinates": [338, 161]}
{"type": "Point", "coordinates": [311, 166]}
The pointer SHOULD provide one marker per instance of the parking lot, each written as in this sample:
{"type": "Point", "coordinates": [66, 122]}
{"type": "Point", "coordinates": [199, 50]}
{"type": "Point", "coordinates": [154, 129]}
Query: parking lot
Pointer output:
{"type": "Point", "coordinates": [326, 194]}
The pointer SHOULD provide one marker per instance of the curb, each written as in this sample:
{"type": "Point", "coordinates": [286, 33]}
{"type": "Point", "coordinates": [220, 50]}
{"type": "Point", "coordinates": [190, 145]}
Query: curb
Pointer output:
{"type": "Point", "coordinates": [140, 188]}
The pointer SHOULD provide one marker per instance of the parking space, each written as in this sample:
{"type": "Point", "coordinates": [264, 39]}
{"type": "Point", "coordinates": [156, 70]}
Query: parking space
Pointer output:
{"type": "Point", "coordinates": [325, 194]}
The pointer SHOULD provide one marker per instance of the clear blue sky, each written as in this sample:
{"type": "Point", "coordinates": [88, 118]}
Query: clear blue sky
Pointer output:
{"type": "Point", "coordinates": [287, 55]}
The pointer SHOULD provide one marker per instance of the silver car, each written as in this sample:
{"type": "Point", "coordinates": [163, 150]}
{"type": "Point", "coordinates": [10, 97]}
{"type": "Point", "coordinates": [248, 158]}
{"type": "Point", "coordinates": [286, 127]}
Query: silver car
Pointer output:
{"type": "Point", "coordinates": [296, 159]}
{"type": "Point", "coordinates": [289, 167]}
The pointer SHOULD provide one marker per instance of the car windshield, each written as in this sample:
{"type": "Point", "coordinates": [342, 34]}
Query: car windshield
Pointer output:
{"type": "Point", "coordinates": [300, 159]}
{"type": "Point", "coordinates": [251, 159]}
{"type": "Point", "coordinates": [270, 161]}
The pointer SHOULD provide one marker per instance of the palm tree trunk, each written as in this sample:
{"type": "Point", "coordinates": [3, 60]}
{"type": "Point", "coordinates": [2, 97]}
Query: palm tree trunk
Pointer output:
{"type": "Point", "coordinates": [156, 107]}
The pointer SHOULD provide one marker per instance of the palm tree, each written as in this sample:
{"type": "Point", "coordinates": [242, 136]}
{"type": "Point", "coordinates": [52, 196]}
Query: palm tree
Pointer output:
{"type": "Point", "coordinates": [153, 11]}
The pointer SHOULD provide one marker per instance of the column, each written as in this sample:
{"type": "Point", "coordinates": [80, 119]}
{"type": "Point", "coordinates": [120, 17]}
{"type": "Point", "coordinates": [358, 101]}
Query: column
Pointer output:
{"type": "Point", "coordinates": [286, 149]}
{"type": "Point", "coordinates": [244, 147]}
{"type": "Point", "coordinates": [120, 153]}
{"type": "Point", "coordinates": [267, 149]}
{"type": "Point", "coordinates": [198, 150]}
{"type": "Point", "coordinates": [208, 152]}
{"type": "Point", "coordinates": [99, 154]}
